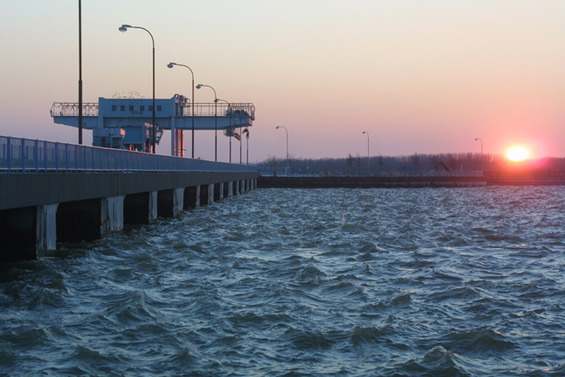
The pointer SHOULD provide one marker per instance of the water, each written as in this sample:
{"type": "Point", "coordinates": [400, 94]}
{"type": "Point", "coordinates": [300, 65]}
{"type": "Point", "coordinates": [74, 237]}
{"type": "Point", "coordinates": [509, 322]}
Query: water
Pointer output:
{"type": "Point", "coordinates": [344, 282]}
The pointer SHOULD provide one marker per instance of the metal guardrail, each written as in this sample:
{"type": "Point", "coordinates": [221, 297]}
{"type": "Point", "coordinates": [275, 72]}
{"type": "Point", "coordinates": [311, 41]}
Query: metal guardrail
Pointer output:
{"type": "Point", "coordinates": [223, 109]}
{"type": "Point", "coordinates": [90, 109]}
{"type": "Point", "coordinates": [25, 155]}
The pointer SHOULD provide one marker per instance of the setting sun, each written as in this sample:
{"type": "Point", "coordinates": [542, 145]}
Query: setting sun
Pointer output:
{"type": "Point", "coordinates": [517, 153]}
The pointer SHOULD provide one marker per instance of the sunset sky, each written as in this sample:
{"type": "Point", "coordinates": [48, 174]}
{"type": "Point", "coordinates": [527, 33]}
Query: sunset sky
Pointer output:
{"type": "Point", "coordinates": [421, 76]}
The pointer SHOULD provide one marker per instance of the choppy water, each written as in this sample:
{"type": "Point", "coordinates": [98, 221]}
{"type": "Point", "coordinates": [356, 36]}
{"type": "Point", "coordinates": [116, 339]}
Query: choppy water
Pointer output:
{"type": "Point", "coordinates": [345, 282]}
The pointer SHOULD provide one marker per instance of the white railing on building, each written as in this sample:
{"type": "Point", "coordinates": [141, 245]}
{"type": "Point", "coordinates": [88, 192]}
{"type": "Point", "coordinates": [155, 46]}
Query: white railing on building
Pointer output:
{"type": "Point", "coordinates": [25, 155]}
{"type": "Point", "coordinates": [91, 109]}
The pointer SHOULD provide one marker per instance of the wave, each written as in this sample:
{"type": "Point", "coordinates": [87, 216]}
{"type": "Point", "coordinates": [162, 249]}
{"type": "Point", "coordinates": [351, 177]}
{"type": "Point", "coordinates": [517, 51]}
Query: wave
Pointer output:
{"type": "Point", "coordinates": [478, 341]}
{"type": "Point", "coordinates": [438, 361]}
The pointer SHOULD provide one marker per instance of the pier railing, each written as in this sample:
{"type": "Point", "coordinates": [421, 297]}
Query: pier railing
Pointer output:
{"type": "Point", "coordinates": [25, 155]}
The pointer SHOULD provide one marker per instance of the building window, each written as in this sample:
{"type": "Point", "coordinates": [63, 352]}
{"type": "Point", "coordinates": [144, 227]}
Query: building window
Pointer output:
{"type": "Point", "coordinates": [114, 108]}
{"type": "Point", "coordinates": [122, 108]}
{"type": "Point", "coordinates": [159, 108]}
{"type": "Point", "coordinates": [131, 108]}
{"type": "Point", "coordinates": [150, 108]}
{"type": "Point", "coordinates": [141, 108]}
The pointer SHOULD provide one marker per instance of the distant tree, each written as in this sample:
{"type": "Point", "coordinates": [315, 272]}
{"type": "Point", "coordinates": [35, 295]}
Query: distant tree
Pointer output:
{"type": "Point", "coordinates": [349, 162]}
{"type": "Point", "coordinates": [381, 163]}
{"type": "Point", "coordinates": [271, 162]}
{"type": "Point", "coordinates": [416, 160]}
{"type": "Point", "coordinates": [358, 159]}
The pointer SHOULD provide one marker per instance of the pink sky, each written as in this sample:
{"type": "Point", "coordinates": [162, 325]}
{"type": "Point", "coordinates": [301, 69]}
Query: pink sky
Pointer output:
{"type": "Point", "coordinates": [419, 76]}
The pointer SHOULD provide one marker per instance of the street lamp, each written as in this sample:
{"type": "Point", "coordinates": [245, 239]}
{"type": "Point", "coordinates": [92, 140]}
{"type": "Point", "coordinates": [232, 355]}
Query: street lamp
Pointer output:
{"type": "Point", "coordinates": [240, 144]}
{"type": "Point", "coordinates": [199, 86]}
{"type": "Point", "coordinates": [79, 72]}
{"type": "Point", "coordinates": [171, 65]}
{"type": "Point", "coordinates": [230, 127]}
{"type": "Point", "coordinates": [246, 132]}
{"type": "Point", "coordinates": [287, 159]}
{"type": "Point", "coordinates": [367, 133]}
{"type": "Point", "coordinates": [123, 29]}
{"type": "Point", "coordinates": [482, 159]}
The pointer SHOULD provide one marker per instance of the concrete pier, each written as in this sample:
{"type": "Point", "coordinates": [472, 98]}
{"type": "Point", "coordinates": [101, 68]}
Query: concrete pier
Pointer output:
{"type": "Point", "coordinates": [39, 210]}
{"type": "Point", "coordinates": [46, 229]}
{"type": "Point", "coordinates": [170, 203]}
{"type": "Point", "coordinates": [192, 197]}
{"type": "Point", "coordinates": [218, 191]}
{"type": "Point", "coordinates": [206, 194]}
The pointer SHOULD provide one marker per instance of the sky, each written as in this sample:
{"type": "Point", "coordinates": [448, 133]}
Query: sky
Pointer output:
{"type": "Point", "coordinates": [420, 76]}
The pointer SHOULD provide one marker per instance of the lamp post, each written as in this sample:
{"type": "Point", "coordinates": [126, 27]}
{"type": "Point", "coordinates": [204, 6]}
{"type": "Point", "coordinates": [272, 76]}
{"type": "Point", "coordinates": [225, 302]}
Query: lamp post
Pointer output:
{"type": "Point", "coordinates": [199, 86]}
{"type": "Point", "coordinates": [287, 159]}
{"type": "Point", "coordinates": [171, 65]}
{"type": "Point", "coordinates": [123, 29]}
{"type": "Point", "coordinates": [482, 159]}
{"type": "Point", "coordinates": [230, 128]}
{"type": "Point", "coordinates": [246, 132]}
{"type": "Point", "coordinates": [79, 72]}
{"type": "Point", "coordinates": [367, 133]}
{"type": "Point", "coordinates": [240, 145]}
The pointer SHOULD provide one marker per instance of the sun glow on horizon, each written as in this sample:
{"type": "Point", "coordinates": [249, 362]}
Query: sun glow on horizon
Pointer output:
{"type": "Point", "coordinates": [517, 153]}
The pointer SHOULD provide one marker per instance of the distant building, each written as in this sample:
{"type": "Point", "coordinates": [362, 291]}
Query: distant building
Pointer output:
{"type": "Point", "coordinates": [125, 123]}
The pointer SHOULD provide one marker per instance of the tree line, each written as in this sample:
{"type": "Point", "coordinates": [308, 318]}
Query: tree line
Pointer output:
{"type": "Point", "coordinates": [415, 164]}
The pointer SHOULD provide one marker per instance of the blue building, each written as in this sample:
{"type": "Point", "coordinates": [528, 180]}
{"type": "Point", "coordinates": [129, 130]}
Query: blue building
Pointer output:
{"type": "Point", "coordinates": [125, 123]}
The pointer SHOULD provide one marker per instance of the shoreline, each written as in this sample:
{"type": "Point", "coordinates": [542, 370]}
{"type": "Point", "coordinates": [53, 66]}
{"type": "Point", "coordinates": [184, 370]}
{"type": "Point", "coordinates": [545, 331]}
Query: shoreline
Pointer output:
{"type": "Point", "coordinates": [404, 181]}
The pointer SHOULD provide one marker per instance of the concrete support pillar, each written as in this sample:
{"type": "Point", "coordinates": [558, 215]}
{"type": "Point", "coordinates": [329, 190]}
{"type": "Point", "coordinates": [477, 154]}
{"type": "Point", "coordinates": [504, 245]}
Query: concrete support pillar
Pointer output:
{"type": "Point", "coordinates": [179, 142]}
{"type": "Point", "coordinates": [153, 205]}
{"type": "Point", "coordinates": [46, 230]}
{"type": "Point", "coordinates": [210, 193]}
{"type": "Point", "coordinates": [192, 197]}
{"type": "Point", "coordinates": [207, 194]}
{"type": "Point", "coordinates": [230, 189]}
{"type": "Point", "coordinates": [112, 214]}
{"type": "Point", "coordinates": [170, 202]}
{"type": "Point", "coordinates": [237, 187]}
{"type": "Point", "coordinates": [178, 201]}
{"type": "Point", "coordinates": [218, 191]}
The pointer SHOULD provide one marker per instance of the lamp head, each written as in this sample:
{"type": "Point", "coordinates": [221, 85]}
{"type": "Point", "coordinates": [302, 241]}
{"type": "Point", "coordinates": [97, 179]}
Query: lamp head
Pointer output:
{"type": "Point", "coordinates": [198, 86]}
{"type": "Point", "coordinates": [277, 127]}
{"type": "Point", "coordinates": [171, 64]}
{"type": "Point", "coordinates": [476, 139]}
{"type": "Point", "coordinates": [124, 28]}
{"type": "Point", "coordinates": [364, 132]}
